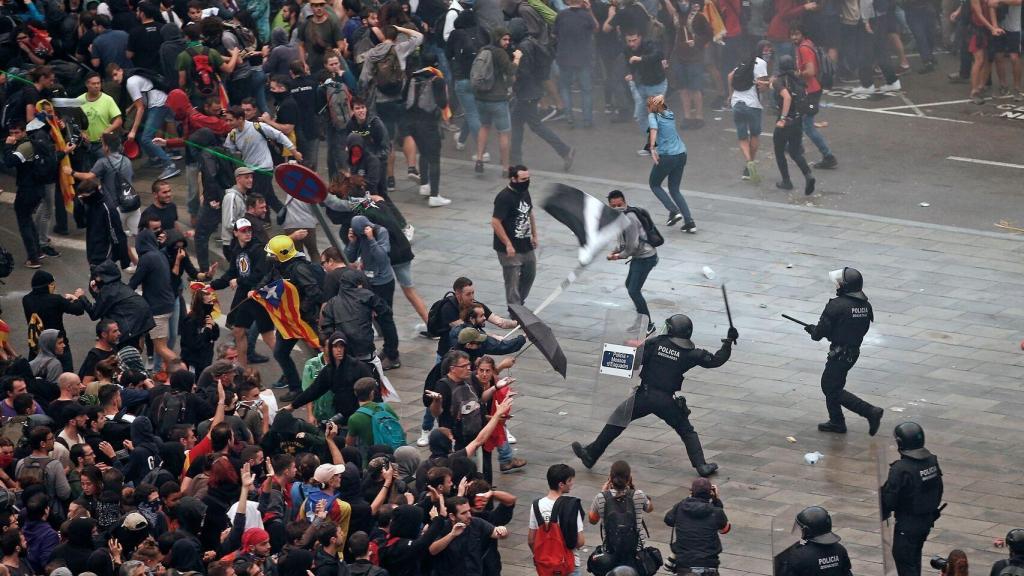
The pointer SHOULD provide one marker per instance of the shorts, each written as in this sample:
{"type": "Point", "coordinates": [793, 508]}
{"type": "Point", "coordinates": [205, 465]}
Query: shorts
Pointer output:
{"type": "Point", "coordinates": [1008, 43]}
{"type": "Point", "coordinates": [162, 328]}
{"type": "Point", "coordinates": [979, 40]}
{"type": "Point", "coordinates": [747, 121]}
{"type": "Point", "coordinates": [390, 113]}
{"type": "Point", "coordinates": [247, 312]}
{"type": "Point", "coordinates": [688, 75]}
{"type": "Point", "coordinates": [494, 114]}
{"type": "Point", "coordinates": [403, 273]}
{"type": "Point", "coordinates": [130, 221]}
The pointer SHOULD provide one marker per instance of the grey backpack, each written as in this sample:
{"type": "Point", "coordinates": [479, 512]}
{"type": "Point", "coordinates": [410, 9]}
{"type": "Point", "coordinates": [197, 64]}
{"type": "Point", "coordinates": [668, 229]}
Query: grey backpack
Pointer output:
{"type": "Point", "coordinates": [481, 74]}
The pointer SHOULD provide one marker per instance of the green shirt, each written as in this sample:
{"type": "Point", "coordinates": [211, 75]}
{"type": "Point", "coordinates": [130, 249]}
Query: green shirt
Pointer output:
{"type": "Point", "coordinates": [323, 407]}
{"type": "Point", "coordinates": [185, 63]}
{"type": "Point", "coordinates": [101, 113]}
{"type": "Point", "coordinates": [361, 425]}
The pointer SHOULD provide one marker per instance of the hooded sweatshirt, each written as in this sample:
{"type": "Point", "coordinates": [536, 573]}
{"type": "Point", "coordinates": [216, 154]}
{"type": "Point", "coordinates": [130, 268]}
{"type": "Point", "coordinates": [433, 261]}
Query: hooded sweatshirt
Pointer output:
{"type": "Point", "coordinates": [374, 252]}
{"type": "Point", "coordinates": [118, 302]}
{"type": "Point", "coordinates": [191, 119]}
{"type": "Point", "coordinates": [464, 42]}
{"type": "Point", "coordinates": [173, 45]}
{"type": "Point", "coordinates": [697, 522]}
{"type": "Point", "coordinates": [76, 550]}
{"type": "Point", "coordinates": [403, 46]}
{"type": "Point", "coordinates": [153, 274]}
{"type": "Point", "coordinates": [46, 365]}
{"type": "Point", "coordinates": [146, 453]}
{"type": "Point", "coordinates": [104, 235]}
{"type": "Point", "coordinates": [46, 310]}
{"type": "Point", "coordinates": [504, 71]}
{"type": "Point", "coordinates": [337, 376]}
{"type": "Point", "coordinates": [283, 53]}
{"type": "Point", "coordinates": [402, 557]}
{"type": "Point", "coordinates": [186, 553]}
{"type": "Point", "coordinates": [363, 162]}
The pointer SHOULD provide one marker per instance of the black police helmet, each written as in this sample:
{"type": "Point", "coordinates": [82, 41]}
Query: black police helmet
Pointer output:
{"type": "Point", "coordinates": [852, 280]}
{"type": "Point", "coordinates": [1015, 541]}
{"type": "Point", "coordinates": [816, 525]}
{"type": "Point", "coordinates": [679, 325]}
{"type": "Point", "coordinates": [910, 440]}
{"type": "Point", "coordinates": [623, 571]}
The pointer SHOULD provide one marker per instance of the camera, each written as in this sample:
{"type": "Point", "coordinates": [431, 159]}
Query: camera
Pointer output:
{"type": "Point", "coordinates": [337, 419]}
{"type": "Point", "coordinates": [938, 562]}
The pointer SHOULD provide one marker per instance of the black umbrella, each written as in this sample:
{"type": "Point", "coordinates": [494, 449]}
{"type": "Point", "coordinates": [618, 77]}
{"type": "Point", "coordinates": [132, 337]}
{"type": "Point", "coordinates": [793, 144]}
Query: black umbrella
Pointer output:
{"type": "Point", "coordinates": [540, 335]}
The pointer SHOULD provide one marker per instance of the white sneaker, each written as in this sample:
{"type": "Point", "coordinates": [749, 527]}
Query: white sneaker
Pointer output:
{"type": "Point", "coordinates": [408, 231]}
{"type": "Point", "coordinates": [423, 440]}
{"type": "Point", "coordinates": [438, 201]}
{"type": "Point", "coordinates": [642, 152]}
{"type": "Point", "coordinates": [424, 189]}
{"type": "Point", "coordinates": [894, 87]}
{"type": "Point", "coordinates": [459, 145]}
{"type": "Point", "coordinates": [864, 89]}
{"type": "Point", "coordinates": [486, 157]}
{"type": "Point", "coordinates": [509, 436]}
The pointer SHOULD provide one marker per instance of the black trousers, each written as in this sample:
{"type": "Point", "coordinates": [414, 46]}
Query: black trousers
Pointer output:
{"type": "Point", "coordinates": [907, 543]}
{"type": "Point", "coordinates": [524, 113]}
{"type": "Point", "coordinates": [672, 410]}
{"type": "Point", "coordinates": [790, 139]}
{"type": "Point", "coordinates": [26, 202]}
{"type": "Point", "coordinates": [833, 385]}
{"type": "Point", "coordinates": [875, 52]}
{"type": "Point", "coordinates": [426, 132]}
{"type": "Point", "coordinates": [263, 182]}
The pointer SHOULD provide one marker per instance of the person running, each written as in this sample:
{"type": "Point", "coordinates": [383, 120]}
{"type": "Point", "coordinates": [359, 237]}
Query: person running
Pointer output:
{"type": "Point", "coordinates": [745, 83]}
{"type": "Point", "coordinates": [668, 152]}
{"type": "Point", "coordinates": [789, 134]}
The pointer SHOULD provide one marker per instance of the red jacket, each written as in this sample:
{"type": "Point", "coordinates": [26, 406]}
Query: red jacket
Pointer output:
{"type": "Point", "coordinates": [730, 12]}
{"type": "Point", "coordinates": [786, 12]}
{"type": "Point", "coordinates": [192, 119]}
{"type": "Point", "coordinates": [804, 54]}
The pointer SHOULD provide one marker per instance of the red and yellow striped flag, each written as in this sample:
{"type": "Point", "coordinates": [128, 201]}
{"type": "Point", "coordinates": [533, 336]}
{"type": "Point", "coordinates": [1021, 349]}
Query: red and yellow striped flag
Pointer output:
{"type": "Point", "coordinates": [281, 301]}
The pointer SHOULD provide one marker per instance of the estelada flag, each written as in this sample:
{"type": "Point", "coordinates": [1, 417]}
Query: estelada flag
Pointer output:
{"type": "Point", "coordinates": [281, 301]}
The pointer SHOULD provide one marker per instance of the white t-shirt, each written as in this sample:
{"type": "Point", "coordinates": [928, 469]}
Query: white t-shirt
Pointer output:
{"type": "Point", "coordinates": [546, 505]}
{"type": "Point", "coordinates": [750, 96]}
{"type": "Point", "coordinates": [139, 87]}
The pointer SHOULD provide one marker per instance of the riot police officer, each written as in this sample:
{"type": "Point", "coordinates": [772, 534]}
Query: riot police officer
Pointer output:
{"type": "Point", "coordinates": [665, 359]}
{"type": "Point", "coordinates": [1014, 565]}
{"type": "Point", "coordinates": [844, 322]}
{"type": "Point", "coordinates": [912, 492]}
{"type": "Point", "coordinates": [818, 553]}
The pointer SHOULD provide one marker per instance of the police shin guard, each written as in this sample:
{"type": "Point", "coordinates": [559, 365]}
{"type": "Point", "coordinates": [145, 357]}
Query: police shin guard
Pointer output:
{"type": "Point", "coordinates": [696, 453]}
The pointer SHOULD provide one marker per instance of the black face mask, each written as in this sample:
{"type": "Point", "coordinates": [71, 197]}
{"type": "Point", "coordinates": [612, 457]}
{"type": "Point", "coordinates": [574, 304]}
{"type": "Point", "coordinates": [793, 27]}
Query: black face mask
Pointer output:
{"type": "Point", "coordinates": [279, 96]}
{"type": "Point", "coordinates": [519, 186]}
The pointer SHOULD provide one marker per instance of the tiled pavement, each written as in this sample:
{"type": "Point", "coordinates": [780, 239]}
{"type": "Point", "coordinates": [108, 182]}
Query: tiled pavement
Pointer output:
{"type": "Point", "coordinates": [943, 351]}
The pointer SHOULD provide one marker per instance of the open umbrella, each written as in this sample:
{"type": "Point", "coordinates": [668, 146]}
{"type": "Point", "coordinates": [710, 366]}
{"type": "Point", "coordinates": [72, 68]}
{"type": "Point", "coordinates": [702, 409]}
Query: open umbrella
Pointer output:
{"type": "Point", "coordinates": [541, 336]}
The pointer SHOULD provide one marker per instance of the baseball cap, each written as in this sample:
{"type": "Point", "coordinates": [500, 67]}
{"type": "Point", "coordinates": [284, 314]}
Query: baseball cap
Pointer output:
{"type": "Point", "coordinates": [243, 170]}
{"type": "Point", "coordinates": [134, 521]}
{"type": "Point", "coordinates": [243, 224]}
{"type": "Point", "coordinates": [325, 472]}
{"type": "Point", "coordinates": [467, 335]}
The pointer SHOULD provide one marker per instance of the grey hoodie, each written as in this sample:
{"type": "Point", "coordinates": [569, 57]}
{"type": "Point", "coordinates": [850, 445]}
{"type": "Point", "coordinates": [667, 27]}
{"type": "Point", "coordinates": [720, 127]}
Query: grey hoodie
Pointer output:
{"type": "Point", "coordinates": [173, 45]}
{"type": "Point", "coordinates": [373, 252]}
{"type": "Point", "coordinates": [282, 54]}
{"type": "Point", "coordinates": [46, 365]}
{"type": "Point", "coordinates": [403, 45]}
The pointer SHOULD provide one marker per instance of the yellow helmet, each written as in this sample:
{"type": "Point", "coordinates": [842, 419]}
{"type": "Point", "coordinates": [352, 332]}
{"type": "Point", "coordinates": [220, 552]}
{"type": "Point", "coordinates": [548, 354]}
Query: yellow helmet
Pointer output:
{"type": "Point", "coordinates": [281, 247]}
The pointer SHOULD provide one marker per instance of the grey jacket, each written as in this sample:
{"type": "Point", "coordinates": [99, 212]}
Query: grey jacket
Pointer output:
{"type": "Point", "coordinates": [633, 242]}
{"type": "Point", "coordinates": [375, 253]}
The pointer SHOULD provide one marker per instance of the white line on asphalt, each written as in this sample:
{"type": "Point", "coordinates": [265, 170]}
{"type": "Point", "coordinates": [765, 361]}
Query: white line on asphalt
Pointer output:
{"type": "Point", "coordinates": [904, 114]}
{"type": "Point", "coordinates": [912, 106]}
{"type": "Point", "coordinates": [929, 105]}
{"type": "Point", "coordinates": [986, 162]}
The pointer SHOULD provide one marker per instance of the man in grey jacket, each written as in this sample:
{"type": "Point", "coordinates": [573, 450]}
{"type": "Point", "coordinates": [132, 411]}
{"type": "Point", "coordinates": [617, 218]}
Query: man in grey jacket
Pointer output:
{"type": "Point", "coordinates": [249, 140]}
{"type": "Point", "coordinates": [643, 257]}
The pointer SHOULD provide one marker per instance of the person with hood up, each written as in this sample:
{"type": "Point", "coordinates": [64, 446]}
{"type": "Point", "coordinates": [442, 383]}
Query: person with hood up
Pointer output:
{"type": "Point", "coordinates": [697, 521]}
{"type": "Point", "coordinates": [45, 309]}
{"type": "Point", "coordinates": [534, 69]}
{"type": "Point", "coordinates": [153, 274]}
{"type": "Point", "coordinates": [371, 244]}
{"type": "Point", "coordinates": [175, 248]}
{"type": "Point", "coordinates": [363, 162]}
{"type": "Point", "coordinates": [116, 302]}
{"type": "Point", "coordinates": [493, 104]}
{"type": "Point", "coordinates": [46, 365]}
{"type": "Point", "coordinates": [77, 546]}
{"type": "Point", "coordinates": [187, 553]}
{"type": "Point", "coordinates": [352, 311]}
{"type": "Point", "coordinates": [338, 376]}
{"type": "Point", "coordinates": [408, 543]}
{"type": "Point", "coordinates": [283, 51]}
{"type": "Point", "coordinates": [173, 45]}
{"type": "Point", "coordinates": [104, 235]}
{"type": "Point", "coordinates": [145, 454]}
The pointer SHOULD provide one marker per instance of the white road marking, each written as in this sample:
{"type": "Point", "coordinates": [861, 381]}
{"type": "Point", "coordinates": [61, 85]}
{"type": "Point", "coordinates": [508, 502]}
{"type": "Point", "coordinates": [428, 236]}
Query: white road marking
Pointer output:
{"type": "Point", "coordinates": [911, 104]}
{"type": "Point", "coordinates": [986, 162]}
{"type": "Point", "coordinates": [904, 114]}
{"type": "Point", "coordinates": [929, 105]}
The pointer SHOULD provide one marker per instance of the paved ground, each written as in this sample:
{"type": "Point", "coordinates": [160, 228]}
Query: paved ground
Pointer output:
{"type": "Point", "coordinates": [944, 350]}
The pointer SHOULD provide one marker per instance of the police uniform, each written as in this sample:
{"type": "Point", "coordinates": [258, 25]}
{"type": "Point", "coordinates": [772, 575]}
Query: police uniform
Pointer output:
{"type": "Point", "coordinates": [912, 492]}
{"type": "Point", "coordinates": [844, 322]}
{"type": "Point", "coordinates": [665, 359]}
{"type": "Point", "coordinates": [813, 559]}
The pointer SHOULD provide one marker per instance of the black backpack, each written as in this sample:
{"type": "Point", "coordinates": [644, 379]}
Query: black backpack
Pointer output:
{"type": "Point", "coordinates": [620, 535]}
{"type": "Point", "coordinates": [466, 408]}
{"type": "Point", "coordinates": [743, 76]}
{"type": "Point", "coordinates": [168, 411]}
{"type": "Point", "coordinates": [1012, 570]}
{"type": "Point", "coordinates": [436, 326]}
{"type": "Point", "coordinates": [6, 263]}
{"type": "Point", "coordinates": [44, 159]}
{"type": "Point", "coordinates": [651, 234]}
{"type": "Point", "coordinates": [159, 83]}
{"type": "Point", "coordinates": [127, 198]}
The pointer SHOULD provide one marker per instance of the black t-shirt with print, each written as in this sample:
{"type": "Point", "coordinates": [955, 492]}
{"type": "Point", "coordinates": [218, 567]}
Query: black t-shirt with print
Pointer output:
{"type": "Point", "coordinates": [513, 210]}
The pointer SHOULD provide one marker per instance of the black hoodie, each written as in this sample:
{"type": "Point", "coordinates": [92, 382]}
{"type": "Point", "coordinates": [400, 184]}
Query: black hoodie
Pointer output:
{"type": "Point", "coordinates": [117, 302]}
{"type": "Point", "coordinates": [402, 557]}
{"type": "Point", "coordinates": [172, 46]}
{"type": "Point", "coordinates": [466, 39]}
{"type": "Point", "coordinates": [337, 377]}
{"type": "Point", "coordinates": [186, 553]}
{"type": "Point", "coordinates": [76, 550]}
{"type": "Point", "coordinates": [153, 274]}
{"type": "Point", "coordinates": [197, 341]}
{"type": "Point", "coordinates": [351, 313]}
{"type": "Point", "coordinates": [104, 235]}
{"type": "Point", "coordinates": [364, 162]}
{"type": "Point", "coordinates": [44, 310]}
{"type": "Point", "coordinates": [697, 522]}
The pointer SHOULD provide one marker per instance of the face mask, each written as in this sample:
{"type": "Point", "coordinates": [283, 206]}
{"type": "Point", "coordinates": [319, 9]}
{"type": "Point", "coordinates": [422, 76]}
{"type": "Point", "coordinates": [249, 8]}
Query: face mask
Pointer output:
{"type": "Point", "coordinates": [5, 460]}
{"type": "Point", "coordinates": [520, 186]}
{"type": "Point", "coordinates": [836, 276]}
{"type": "Point", "coordinates": [278, 96]}
{"type": "Point", "coordinates": [355, 155]}
{"type": "Point", "coordinates": [684, 7]}
{"type": "Point", "coordinates": [619, 208]}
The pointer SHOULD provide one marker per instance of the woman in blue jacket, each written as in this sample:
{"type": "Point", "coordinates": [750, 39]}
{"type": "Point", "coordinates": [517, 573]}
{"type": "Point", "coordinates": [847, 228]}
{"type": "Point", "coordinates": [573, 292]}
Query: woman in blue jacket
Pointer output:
{"type": "Point", "coordinates": [669, 156]}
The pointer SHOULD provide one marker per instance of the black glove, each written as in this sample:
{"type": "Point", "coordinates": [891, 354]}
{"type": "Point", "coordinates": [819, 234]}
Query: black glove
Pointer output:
{"type": "Point", "coordinates": [733, 334]}
{"type": "Point", "coordinates": [810, 328]}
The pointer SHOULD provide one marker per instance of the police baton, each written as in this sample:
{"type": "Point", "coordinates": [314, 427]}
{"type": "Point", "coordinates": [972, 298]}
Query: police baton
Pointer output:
{"type": "Point", "coordinates": [791, 319]}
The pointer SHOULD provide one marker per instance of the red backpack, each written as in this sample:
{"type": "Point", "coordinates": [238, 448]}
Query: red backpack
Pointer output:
{"type": "Point", "coordinates": [204, 79]}
{"type": "Point", "coordinates": [551, 556]}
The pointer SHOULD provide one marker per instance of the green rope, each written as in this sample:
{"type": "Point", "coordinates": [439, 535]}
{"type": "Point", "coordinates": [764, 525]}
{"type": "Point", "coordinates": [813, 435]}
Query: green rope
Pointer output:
{"type": "Point", "coordinates": [16, 77]}
{"type": "Point", "coordinates": [228, 157]}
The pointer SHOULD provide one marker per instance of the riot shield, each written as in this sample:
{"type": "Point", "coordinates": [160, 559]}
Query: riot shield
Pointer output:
{"type": "Point", "coordinates": [616, 372]}
{"type": "Point", "coordinates": [884, 454]}
{"type": "Point", "coordinates": [785, 534]}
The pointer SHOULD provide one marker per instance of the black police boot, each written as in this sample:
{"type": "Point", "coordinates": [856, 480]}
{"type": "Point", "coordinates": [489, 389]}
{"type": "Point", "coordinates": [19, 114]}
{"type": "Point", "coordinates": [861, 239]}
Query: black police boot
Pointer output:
{"type": "Point", "coordinates": [875, 420]}
{"type": "Point", "coordinates": [705, 470]}
{"type": "Point", "coordinates": [832, 427]}
{"type": "Point", "coordinates": [583, 455]}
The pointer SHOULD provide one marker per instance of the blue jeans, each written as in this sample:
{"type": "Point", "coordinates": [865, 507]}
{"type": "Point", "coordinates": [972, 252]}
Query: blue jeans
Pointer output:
{"type": "Point", "coordinates": [153, 123]}
{"type": "Point", "coordinates": [641, 93]}
{"type": "Point", "coordinates": [672, 167]}
{"type": "Point", "coordinates": [639, 269]}
{"type": "Point", "coordinates": [283, 354]}
{"type": "Point", "coordinates": [921, 20]}
{"type": "Point", "coordinates": [505, 453]}
{"type": "Point", "coordinates": [470, 118]}
{"type": "Point", "coordinates": [812, 131]}
{"type": "Point", "coordinates": [585, 75]}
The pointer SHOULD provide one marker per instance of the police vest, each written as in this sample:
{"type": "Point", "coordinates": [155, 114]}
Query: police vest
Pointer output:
{"type": "Point", "coordinates": [817, 559]}
{"type": "Point", "coordinates": [850, 318]}
{"type": "Point", "coordinates": [665, 362]}
{"type": "Point", "coordinates": [925, 493]}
